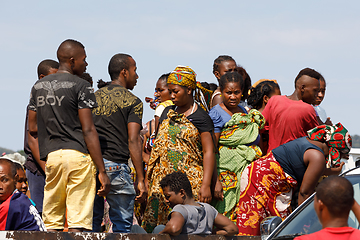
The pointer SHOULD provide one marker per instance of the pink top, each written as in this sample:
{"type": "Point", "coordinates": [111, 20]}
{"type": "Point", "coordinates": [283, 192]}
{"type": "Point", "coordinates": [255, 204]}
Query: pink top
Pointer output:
{"type": "Point", "coordinates": [288, 120]}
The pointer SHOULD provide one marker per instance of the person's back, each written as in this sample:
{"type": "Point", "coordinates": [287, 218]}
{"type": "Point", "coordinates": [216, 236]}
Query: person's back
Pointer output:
{"type": "Point", "coordinates": [290, 117]}
{"type": "Point", "coordinates": [188, 216]}
{"type": "Point", "coordinates": [198, 219]}
{"type": "Point", "coordinates": [332, 203]}
{"type": "Point", "coordinates": [57, 98]}
{"type": "Point", "coordinates": [60, 117]}
{"type": "Point", "coordinates": [288, 120]}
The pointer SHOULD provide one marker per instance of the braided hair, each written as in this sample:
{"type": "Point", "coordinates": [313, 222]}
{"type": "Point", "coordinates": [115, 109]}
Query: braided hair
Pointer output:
{"type": "Point", "coordinates": [265, 88]}
{"type": "Point", "coordinates": [219, 60]}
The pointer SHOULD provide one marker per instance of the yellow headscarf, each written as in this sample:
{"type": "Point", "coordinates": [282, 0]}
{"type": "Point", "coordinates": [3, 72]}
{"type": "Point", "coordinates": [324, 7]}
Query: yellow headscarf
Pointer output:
{"type": "Point", "coordinates": [186, 77]}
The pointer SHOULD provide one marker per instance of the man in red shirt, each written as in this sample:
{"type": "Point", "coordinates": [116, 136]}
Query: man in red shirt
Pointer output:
{"type": "Point", "coordinates": [333, 201]}
{"type": "Point", "coordinates": [290, 117]}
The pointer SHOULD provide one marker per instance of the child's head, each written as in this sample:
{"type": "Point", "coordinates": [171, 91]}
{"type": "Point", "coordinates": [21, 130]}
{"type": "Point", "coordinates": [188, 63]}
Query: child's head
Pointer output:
{"type": "Point", "coordinates": [262, 92]}
{"type": "Point", "coordinates": [222, 65]}
{"type": "Point", "coordinates": [176, 187]}
{"type": "Point", "coordinates": [321, 94]}
{"type": "Point", "coordinates": [21, 180]}
{"type": "Point", "coordinates": [161, 89]}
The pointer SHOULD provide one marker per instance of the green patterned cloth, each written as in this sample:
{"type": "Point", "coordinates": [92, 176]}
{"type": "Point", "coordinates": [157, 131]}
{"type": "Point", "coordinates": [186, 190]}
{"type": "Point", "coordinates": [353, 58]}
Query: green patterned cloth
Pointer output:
{"type": "Point", "coordinates": [235, 155]}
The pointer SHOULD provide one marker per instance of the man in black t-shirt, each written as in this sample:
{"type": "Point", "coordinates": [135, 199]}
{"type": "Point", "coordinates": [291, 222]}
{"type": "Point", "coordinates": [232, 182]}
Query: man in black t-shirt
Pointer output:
{"type": "Point", "coordinates": [60, 116]}
{"type": "Point", "coordinates": [35, 167]}
{"type": "Point", "coordinates": [118, 120]}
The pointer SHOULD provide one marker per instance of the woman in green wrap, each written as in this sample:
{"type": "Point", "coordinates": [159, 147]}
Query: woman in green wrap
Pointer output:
{"type": "Point", "coordinates": [237, 134]}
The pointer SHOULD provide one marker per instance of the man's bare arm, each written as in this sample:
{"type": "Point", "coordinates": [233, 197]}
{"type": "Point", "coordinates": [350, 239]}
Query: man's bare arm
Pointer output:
{"type": "Point", "coordinates": [92, 142]}
{"type": "Point", "coordinates": [33, 139]}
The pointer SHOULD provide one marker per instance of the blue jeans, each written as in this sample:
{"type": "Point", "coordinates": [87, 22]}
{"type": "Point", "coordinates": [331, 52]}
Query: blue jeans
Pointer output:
{"type": "Point", "coordinates": [36, 187]}
{"type": "Point", "coordinates": [121, 199]}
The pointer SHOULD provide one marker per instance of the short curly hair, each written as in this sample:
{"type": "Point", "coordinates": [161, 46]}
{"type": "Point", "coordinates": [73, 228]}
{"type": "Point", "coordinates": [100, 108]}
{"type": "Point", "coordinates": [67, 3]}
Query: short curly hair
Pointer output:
{"type": "Point", "coordinates": [177, 181]}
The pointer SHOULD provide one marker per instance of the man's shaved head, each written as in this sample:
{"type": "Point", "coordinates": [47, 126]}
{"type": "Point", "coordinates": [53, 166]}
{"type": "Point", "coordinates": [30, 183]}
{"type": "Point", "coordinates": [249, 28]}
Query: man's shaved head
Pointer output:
{"type": "Point", "coordinates": [45, 66]}
{"type": "Point", "coordinates": [337, 194]}
{"type": "Point", "coordinates": [68, 49]}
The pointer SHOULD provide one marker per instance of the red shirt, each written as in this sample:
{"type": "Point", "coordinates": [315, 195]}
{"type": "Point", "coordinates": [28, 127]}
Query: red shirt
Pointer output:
{"type": "Point", "coordinates": [341, 233]}
{"type": "Point", "coordinates": [288, 120]}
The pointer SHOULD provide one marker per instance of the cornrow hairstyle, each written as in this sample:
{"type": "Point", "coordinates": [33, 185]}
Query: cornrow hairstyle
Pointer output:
{"type": "Point", "coordinates": [247, 82]}
{"type": "Point", "coordinates": [177, 181]}
{"type": "Point", "coordinates": [45, 66]}
{"type": "Point", "coordinates": [164, 78]}
{"type": "Point", "coordinates": [117, 63]}
{"type": "Point", "coordinates": [265, 88]}
{"type": "Point", "coordinates": [231, 77]}
{"type": "Point", "coordinates": [308, 72]}
{"type": "Point", "coordinates": [219, 60]}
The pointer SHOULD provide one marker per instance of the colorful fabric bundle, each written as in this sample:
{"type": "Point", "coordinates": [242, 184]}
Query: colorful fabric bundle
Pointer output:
{"type": "Point", "coordinates": [235, 155]}
{"type": "Point", "coordinates": [336, 137]}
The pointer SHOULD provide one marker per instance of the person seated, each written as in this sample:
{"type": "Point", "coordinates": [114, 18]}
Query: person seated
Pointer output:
{"type": "Point", "coordinates": [333, 201]}
{"type": "Point", "coordinates": [188, 216]}
{"type": "Point", "coordinates": [16, 210]}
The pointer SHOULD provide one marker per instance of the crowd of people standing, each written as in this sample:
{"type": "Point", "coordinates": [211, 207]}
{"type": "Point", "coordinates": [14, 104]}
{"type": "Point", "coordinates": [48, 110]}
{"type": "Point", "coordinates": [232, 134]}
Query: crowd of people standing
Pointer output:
{"type": "Point", "coordinates": [247, 151]}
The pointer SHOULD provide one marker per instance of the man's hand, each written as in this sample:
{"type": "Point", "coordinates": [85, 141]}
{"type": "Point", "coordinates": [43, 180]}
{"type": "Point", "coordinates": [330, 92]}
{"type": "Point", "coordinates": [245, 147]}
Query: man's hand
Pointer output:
{"type": "Point", "coordinates": [205, 194]}
{"type": "Point", "coordinates": [142, 192]}
{"type": "Point", "coordinates": [105, 184]}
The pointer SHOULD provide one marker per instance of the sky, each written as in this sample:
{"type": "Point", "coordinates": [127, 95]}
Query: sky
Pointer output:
{"type": "Point", "coordinates": [270, 39]}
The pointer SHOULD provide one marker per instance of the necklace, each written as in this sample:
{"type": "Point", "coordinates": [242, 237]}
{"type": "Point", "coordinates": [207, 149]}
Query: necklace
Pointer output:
{"type": "Point", "coordinates": [192, 110]}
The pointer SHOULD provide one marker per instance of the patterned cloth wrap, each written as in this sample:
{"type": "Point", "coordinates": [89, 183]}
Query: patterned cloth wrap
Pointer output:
{"type": "Point", "coordinates": [186, 77]}
{"type": "Point", "coordinates": [177, 147]}
{"type": "Point", "coordinates": [241, 129]}
{"type": "Point", "coordinates": [336, 137]}
{"type": "Point", "coordinates": [266, 190]}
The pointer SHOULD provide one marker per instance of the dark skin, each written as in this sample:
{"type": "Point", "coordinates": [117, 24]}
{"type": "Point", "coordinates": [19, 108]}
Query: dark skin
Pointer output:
{"type": "Point", "coordinates": [182, 97]}
{"type": "Point", "coordinates": [7, 182]}
{"type": "Point", "coordinates": [175, 224]}
{"type": "Point", "coordinates": [127, 78]}
{"type": "Point", "coordinates": [224, 67]}
{"type": "Point", "coordinates": [72, 60]}
{"type": "Point", "coordinates": [315, 168]}
{"type": "Point", "coordinates": [306, 89]}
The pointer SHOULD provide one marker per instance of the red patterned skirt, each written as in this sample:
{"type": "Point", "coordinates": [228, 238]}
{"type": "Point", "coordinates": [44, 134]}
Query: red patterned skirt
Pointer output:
{"type": "Point", "coordinates": [266, 190]}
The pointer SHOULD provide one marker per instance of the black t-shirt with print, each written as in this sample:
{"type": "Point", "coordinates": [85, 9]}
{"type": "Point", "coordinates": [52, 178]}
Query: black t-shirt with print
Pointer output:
{"type": "Point", "coordinates": [117, 107]}
{"type": "Point", "coordinates": [57, 98]}
{"type": "Point", "coordinates": [200, 118]}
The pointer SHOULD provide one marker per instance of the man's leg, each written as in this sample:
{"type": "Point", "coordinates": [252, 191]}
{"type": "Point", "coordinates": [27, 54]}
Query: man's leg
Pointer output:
{"type": "Point", "coordinates": [36, 187]}
{"type": "Point", "coordinates": [55, 191]}
{"type": "Point", "coordinates": [121, 197]}
{"type": "Point", "coordinates": [80, 190]}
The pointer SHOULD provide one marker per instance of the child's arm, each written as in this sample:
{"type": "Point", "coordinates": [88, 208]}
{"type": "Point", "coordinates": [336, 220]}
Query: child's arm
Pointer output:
{"type": "Point", "coordinates": [174, 225]}
{"type": "Point", "coordinates": [225, 226]}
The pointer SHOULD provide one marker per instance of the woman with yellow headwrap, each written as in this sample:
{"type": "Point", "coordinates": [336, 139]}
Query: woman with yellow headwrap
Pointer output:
{"type": "Point", "coordinates": [184, 143]}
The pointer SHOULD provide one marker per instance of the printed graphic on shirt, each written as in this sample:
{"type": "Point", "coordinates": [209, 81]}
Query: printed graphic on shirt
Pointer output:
{"type": "Point", "coordinates": [112, 99]}
{"type": "Point", "coordinates": [51, 87]}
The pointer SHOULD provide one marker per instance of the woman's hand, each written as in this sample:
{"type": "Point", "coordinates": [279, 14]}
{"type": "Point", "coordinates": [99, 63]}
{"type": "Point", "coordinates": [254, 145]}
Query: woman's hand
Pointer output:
{"type": "Point", "coordinates": [205, 194]}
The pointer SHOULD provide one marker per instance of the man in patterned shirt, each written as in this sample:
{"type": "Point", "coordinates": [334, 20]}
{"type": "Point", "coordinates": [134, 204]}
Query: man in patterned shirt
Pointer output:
{"type": "Point", "coordinates": [118, 120]}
